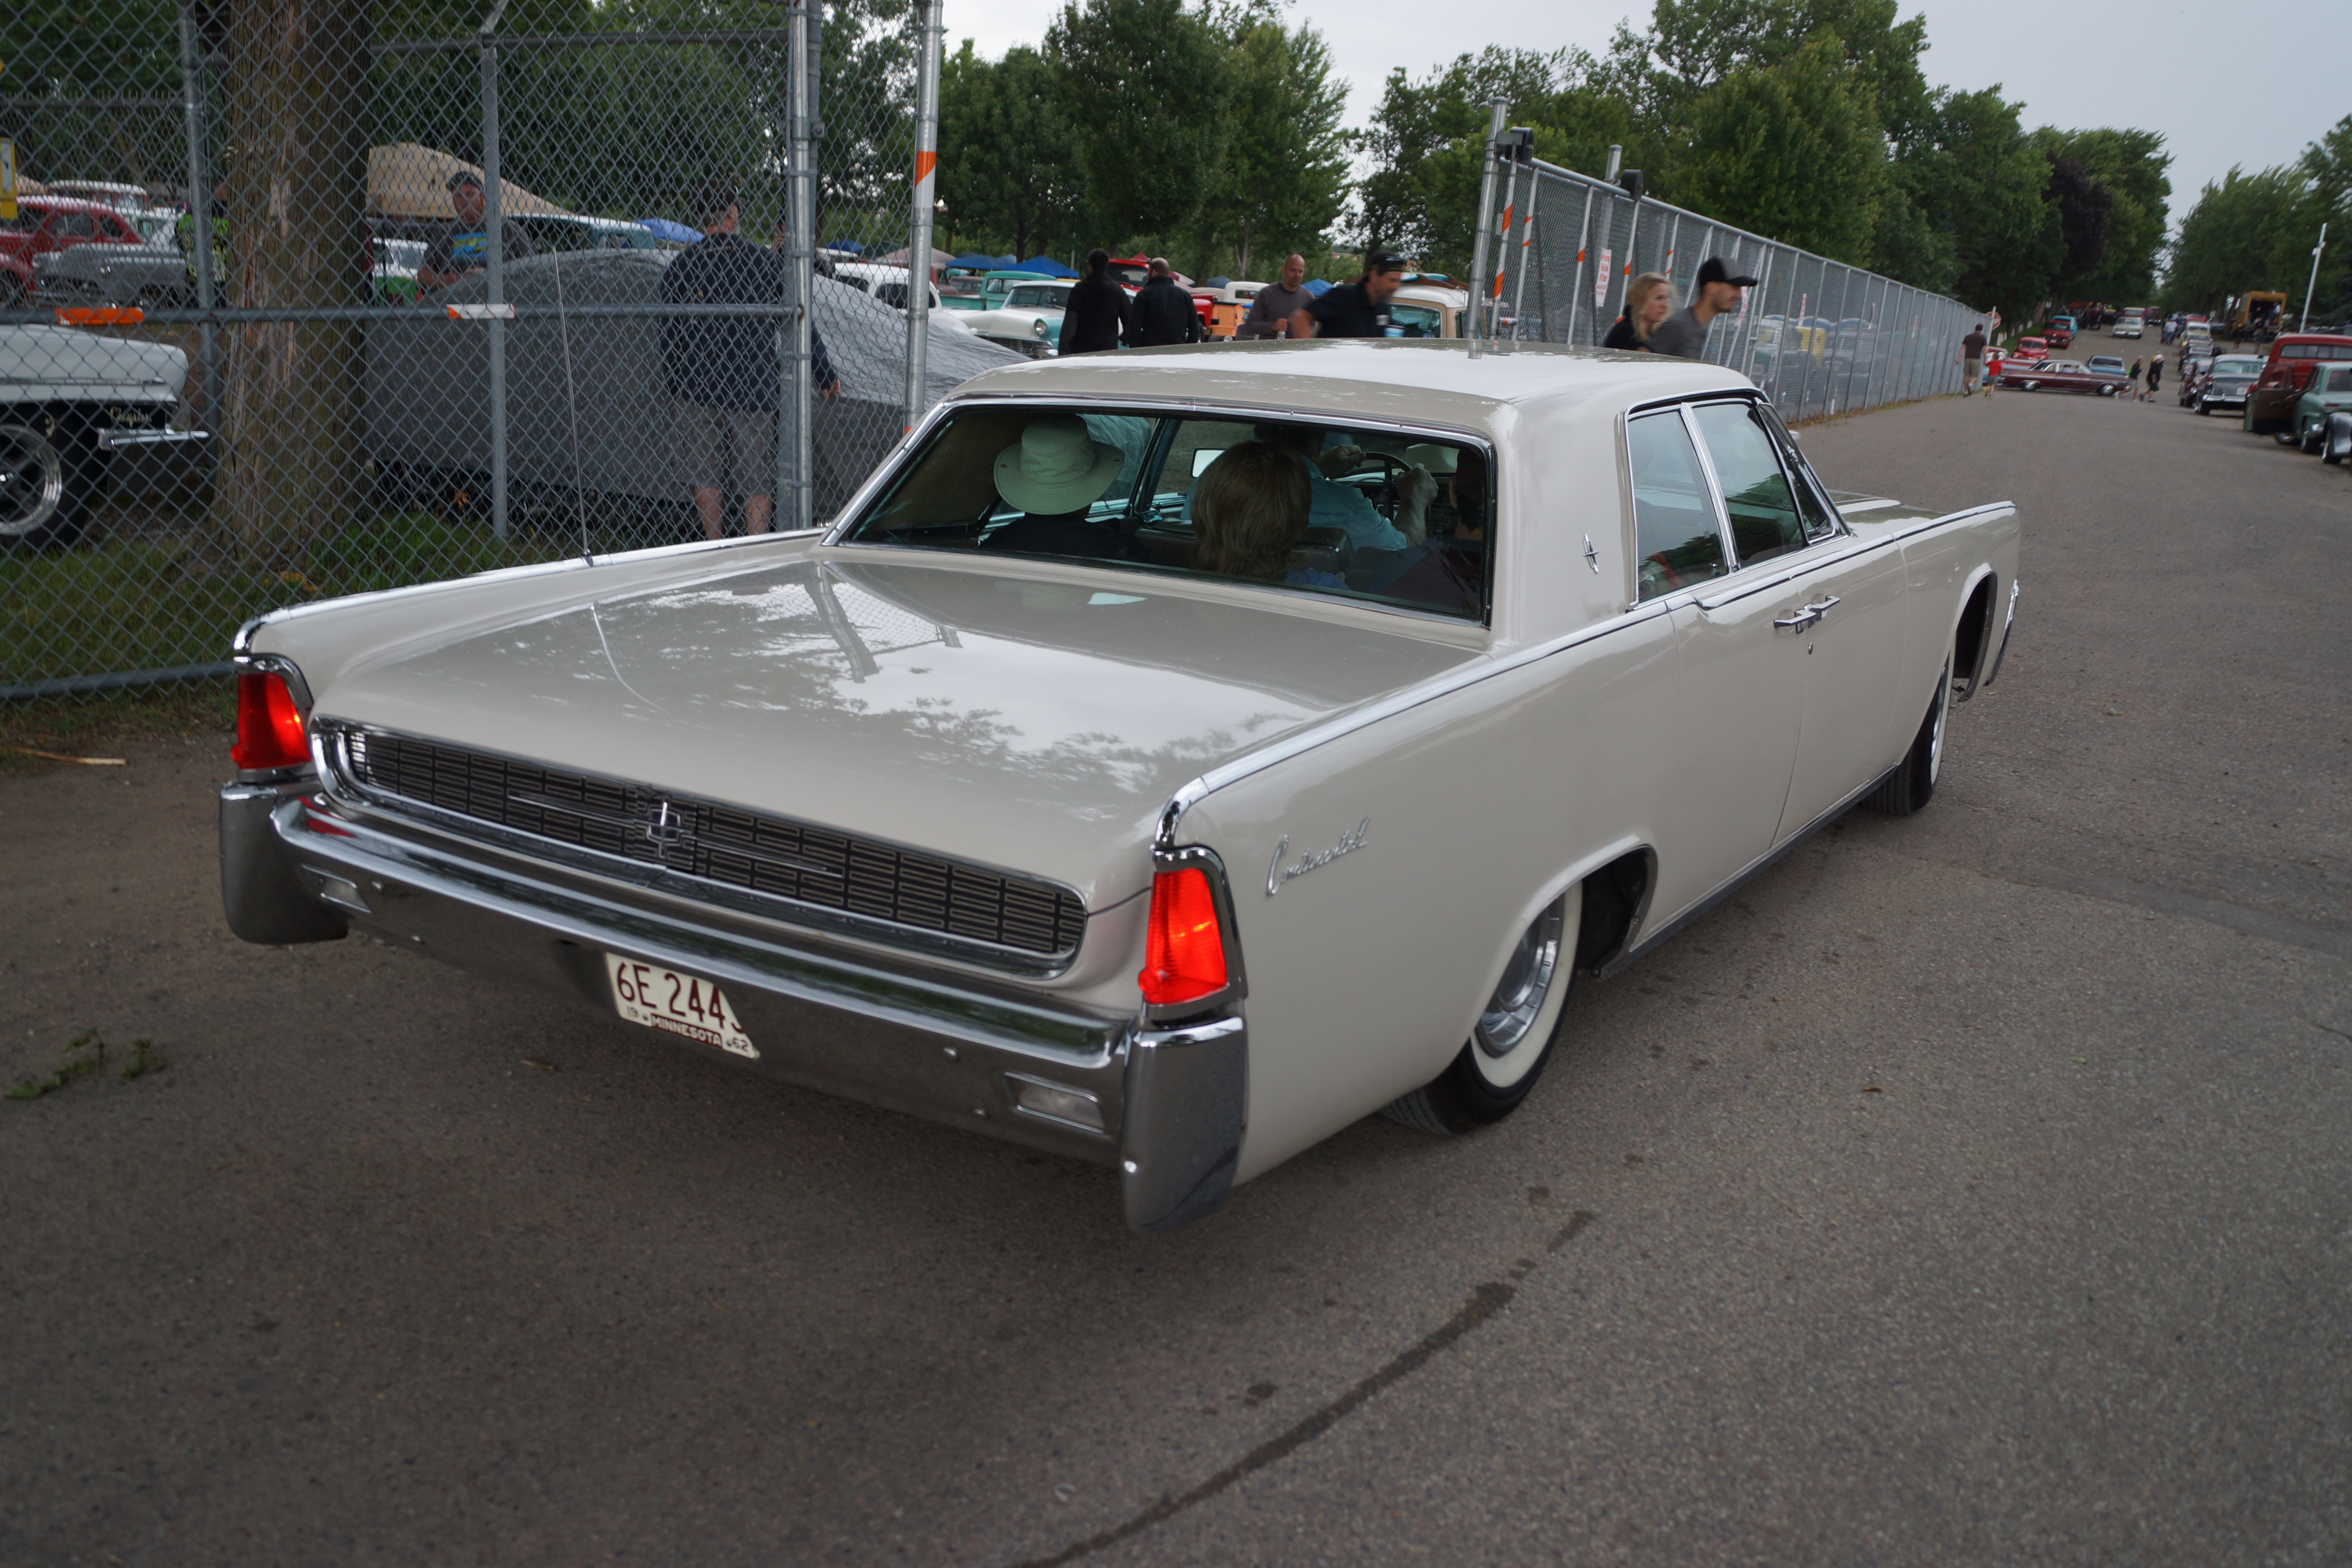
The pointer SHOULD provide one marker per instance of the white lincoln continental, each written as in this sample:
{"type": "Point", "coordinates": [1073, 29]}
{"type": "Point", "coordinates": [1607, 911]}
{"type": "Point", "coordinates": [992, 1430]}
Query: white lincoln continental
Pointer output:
{"type": "Point", "coordinates": [1166, 758]}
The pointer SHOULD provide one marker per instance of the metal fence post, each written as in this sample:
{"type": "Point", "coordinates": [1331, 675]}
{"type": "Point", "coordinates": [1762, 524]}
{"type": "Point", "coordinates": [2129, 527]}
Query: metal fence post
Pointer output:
{"type": "Point", "coordinates": [1526, 239]}
{"type": "Point", "coordinates": [918, 240]}
{"type": "Point", "coordinates": [493, 223]}
{"type": "Point", "coordinates": [1500, 107]}
{"type": "Point", "coordinates": [1576, 285]}
{"type": "Point", "coordinates": [803, 177]}
{"type": "Point", "coordinates": [200, 211]}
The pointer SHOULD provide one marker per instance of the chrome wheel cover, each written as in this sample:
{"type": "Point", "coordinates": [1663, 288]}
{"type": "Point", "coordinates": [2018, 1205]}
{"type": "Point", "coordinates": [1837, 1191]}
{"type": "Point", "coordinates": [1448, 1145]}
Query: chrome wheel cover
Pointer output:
{"type": "Point", "coordinates": [1511, 1012]}
{"type": "Point", "coordinates": [32, 480]}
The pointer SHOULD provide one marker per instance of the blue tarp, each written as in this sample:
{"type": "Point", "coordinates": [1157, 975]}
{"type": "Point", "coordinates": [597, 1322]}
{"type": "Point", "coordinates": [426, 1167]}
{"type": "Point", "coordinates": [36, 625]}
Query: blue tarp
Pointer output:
{"type": "Point", "coordinates": [846, 246]}
{"type": "Point", "coordinates": [677, 233]}
{"type": "Point", "coordinates": [974, 261]}
{"type": "Point", "coordinates": [1318, 286]}
{"type": "Point", "coordinates": [1047, 265]}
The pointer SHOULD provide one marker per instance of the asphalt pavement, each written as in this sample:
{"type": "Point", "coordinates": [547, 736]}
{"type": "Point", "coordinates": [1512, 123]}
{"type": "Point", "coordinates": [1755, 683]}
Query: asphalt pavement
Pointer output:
{"type": "Point", "coordinates": [1974, 1187]}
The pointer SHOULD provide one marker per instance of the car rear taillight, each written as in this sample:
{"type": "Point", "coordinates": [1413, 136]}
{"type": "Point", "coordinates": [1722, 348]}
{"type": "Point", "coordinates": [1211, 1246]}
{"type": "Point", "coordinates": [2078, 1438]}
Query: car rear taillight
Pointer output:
{"type": "Point", "coordinates": [269, 726]}
{"type": "Point", "coordinates": [1183, 949]}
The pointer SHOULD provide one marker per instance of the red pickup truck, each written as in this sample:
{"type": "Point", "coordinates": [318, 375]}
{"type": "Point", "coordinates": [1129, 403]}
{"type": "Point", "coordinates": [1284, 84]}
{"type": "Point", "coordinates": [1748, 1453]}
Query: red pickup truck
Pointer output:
{"type": "Point", "coordinates": [2270, 403]}
{"type": "Point", "coordinates": [44, 223]}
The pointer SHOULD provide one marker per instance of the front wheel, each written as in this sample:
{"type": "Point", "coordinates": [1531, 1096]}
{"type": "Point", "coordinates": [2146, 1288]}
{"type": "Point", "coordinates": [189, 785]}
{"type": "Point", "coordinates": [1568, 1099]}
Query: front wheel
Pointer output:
{"type": "Point", "coordinates": [37, 499]}
{"type": "Point", "coordinates": [1913, 783]}
{"type": "Point", "coordinates": [1513, 1038]}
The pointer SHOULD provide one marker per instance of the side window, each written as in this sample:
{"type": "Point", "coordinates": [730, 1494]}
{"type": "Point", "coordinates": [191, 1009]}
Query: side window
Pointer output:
{"type": "Point", "coordinates": [1813, 505]}
{"type": "Point", "coordinates": [1676, 534]}
{"type": "Point", "coordinates": [1764, 521]}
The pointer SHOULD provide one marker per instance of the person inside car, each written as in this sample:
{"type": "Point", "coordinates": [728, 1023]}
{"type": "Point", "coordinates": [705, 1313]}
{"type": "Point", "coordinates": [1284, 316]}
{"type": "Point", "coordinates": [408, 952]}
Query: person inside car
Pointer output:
{"type": "Point", "coordinates": [1250, 510]}
{"type": "Point", "coordinates": [1054, 475]}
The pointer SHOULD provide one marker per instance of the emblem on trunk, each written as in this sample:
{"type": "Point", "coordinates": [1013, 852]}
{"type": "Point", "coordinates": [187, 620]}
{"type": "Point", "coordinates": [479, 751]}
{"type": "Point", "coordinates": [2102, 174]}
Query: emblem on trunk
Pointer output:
{"type": "Point", "coordinates": [1276, 873]}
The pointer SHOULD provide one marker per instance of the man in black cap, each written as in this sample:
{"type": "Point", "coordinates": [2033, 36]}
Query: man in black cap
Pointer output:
{"type": "Point", "coordinates": [1357, 309]}
{"type": "Point", "coordinates": [1684, 334]}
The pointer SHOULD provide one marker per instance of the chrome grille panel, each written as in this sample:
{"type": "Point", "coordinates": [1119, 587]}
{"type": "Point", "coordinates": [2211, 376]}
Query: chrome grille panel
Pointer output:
{"type": "Point", "coordinates": [858, 879]}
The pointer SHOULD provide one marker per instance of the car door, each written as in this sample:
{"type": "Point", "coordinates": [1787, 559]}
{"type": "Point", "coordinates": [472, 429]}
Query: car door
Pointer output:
{"type": "Point", "coordinates": [1853, 660]}
{"type": "Point", "coordinates": [1738, 687]}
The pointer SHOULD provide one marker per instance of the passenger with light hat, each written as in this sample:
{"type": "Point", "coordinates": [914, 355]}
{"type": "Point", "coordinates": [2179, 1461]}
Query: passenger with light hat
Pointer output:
{"type": "Point", "coordinates": [1054, 474]}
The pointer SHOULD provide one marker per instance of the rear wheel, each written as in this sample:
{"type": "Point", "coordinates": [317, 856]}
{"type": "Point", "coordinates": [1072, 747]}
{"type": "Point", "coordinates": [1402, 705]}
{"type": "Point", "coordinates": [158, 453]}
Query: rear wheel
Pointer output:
{"type": "Point", "coordinates": [1913, 783]}
{"type": "Point", "coordinates": [1498, 1065]}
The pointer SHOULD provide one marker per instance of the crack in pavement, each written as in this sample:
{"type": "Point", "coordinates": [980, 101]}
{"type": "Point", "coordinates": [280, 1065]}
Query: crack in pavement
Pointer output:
{"type": "Point", "coordinates": [1486, 1300]}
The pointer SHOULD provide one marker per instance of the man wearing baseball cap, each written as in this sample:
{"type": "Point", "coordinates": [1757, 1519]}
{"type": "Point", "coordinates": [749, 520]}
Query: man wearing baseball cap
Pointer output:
{"type": "Point", "coordinates": [1684, 334]}
{"type": "Point", "coordinates": [1357, 309]}
{"type": "Point", "coordinates": [465, 246]}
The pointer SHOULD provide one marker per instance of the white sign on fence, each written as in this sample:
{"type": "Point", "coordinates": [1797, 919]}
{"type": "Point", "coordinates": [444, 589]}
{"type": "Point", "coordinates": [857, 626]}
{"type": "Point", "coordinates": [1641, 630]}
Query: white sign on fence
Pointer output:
{"type": "Point", "coordinates": [1601, 281]}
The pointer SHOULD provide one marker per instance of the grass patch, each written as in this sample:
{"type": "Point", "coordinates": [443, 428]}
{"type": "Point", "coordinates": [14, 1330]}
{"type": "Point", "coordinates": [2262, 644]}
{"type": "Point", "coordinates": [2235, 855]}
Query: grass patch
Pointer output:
{"type": "Point", "coordinates": [107, 720]}
{"type": "Point", "coordinates": [84, 1055]}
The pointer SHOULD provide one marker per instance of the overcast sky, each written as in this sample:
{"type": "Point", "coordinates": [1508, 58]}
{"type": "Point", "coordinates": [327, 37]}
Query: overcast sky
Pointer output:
{"type": "Point", "coordinates": [2167, 66]}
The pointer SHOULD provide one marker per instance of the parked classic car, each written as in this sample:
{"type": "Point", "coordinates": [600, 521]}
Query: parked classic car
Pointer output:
{"type": "Point", "coordinates": [2059, 333]}
{"type": "Point", "coordinates": [2327, 391]}
{"type": "Point", "coordinates": [1029, 320]}
{"type": "Point", "coordinates": [2224, 381]}
{"type": "Point", "coordinates": [2128, 323]}
{"type": "Point", "coordinates": [2270, 404]}
{"type": "Point", "coordinates": [2058, 375]}
{"type": "Point", "coordinates": [2029, 348]}
{"type": "Point", "coordinates": [987, 804]}
{"type": "Point", "coordinates": [45, 225]}
{"type": "Point", "coordinates": [75, 409]}
{"type": "Point", "coordinates": [151, 273]}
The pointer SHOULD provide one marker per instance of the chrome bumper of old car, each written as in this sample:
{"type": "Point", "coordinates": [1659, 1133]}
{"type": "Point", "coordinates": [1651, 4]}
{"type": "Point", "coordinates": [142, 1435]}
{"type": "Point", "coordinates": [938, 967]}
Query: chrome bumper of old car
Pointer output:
{"type": "Point", "coordinates": [1163, 1102]}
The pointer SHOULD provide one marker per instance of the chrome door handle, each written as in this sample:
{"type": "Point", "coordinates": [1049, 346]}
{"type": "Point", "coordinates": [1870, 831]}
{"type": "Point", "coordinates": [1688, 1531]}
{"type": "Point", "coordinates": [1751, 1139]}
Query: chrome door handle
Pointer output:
{"type": "Point", "coordinates": [1798, 620]}
{"type": "Point", "coordinates": [1822, 607]}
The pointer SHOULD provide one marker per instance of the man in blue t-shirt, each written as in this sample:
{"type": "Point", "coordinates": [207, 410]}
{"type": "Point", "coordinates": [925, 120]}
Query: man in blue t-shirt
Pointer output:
{"type": "Point", "coordinates": [465, 246]}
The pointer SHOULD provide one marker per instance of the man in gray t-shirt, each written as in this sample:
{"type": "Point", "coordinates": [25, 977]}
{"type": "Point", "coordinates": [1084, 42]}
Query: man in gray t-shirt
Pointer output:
{"type": "Point", "coordinates": [1270, 312]}
{"type": "Point", "coordinates": [1684, 334]}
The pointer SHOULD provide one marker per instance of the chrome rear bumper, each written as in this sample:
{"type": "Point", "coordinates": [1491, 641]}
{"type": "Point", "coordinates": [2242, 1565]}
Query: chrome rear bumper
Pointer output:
{"type": "Point", "coordinates": [1170, 1099]}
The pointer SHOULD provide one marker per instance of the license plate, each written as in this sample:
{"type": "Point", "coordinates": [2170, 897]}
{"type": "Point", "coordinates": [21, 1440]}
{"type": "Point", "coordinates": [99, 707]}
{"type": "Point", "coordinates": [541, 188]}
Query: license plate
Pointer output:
{"type": "Point", "coordinates": [676, 1003]}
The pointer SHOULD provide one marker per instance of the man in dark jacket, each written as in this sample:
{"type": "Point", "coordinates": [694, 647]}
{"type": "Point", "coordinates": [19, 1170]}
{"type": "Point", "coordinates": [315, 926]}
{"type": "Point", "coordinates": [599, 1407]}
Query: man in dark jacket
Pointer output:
{"type": "Point", "coordinates": [723, 371]}
{"type": "Point", "coordinates": [1164, 313]}
{"type": "Point", "coordinates": [1096, 317]}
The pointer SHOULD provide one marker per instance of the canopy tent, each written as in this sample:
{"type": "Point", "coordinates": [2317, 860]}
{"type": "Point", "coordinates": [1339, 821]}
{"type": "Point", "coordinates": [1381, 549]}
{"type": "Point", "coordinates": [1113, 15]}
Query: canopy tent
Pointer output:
{"type": "Point", "coordinates": [429, 384]}
{"type": "Point", "coordinates": [974, 261]}
{"type": "Point", "coordinates": [407, 179]}
{"type": "Point", "coordinates": [675, 233]}
{"type": "Point", "coordinates": [898, 259]}
{"type": "Point", "coordinates": [1044, 265]}
{"type": "Point", "coordinates": [846, 246]}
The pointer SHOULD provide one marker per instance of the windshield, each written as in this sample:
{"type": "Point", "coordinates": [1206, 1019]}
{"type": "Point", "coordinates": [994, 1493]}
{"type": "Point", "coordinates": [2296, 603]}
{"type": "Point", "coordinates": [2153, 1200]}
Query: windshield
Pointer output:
{"type": "Point", "coordinates": [1379, 517]}
{"type": "Point", "coordinates": [2237, 367]}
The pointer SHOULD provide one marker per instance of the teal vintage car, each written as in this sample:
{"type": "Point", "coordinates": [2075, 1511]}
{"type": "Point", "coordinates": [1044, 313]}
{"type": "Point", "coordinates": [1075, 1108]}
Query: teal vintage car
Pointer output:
{"type": "Point", "coordinates": [2328, 391]}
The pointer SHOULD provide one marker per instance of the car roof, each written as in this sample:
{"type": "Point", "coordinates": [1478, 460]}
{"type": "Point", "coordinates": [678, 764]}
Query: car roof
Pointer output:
{"type": "Point", "coordinates": [68, 205]}
{"type": "Point", "coordinates": [1418, 379]}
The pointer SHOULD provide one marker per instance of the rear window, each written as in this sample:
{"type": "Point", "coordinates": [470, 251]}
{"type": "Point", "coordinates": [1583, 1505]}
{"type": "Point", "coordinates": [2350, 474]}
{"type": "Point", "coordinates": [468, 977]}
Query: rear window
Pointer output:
{"type": "Point", "coordinates": [1380, 517]}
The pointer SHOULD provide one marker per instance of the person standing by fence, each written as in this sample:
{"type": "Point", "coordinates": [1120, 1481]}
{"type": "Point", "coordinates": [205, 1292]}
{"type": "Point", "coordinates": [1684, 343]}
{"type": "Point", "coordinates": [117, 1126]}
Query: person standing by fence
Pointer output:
{"type": "Point", "coordinates": [1684, 334]}
{"type": "Point", "coordinates": [1357, 309]}
{"type": "Point", "coordinates": [464, 247]}
{"type": "Point", "coordinates": [1649, 299]}
{"type": "Point", "coordinates": [723, 370]}
{"type": "Point", "coordinates": [1972, 348]}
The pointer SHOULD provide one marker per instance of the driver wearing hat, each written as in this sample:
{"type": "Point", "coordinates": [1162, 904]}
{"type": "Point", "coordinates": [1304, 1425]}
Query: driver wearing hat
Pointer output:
{"type": "Point", "coordinates": [1684, 334]}
{"type": "Point", "coordinates": [1052, 475]}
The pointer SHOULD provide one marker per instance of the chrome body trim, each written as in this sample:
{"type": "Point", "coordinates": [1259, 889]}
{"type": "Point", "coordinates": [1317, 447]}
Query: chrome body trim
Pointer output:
{"type": "Point", "coordinates": [330, 741]}
{"type": "Point", "coordinates": [1186, 1108]}
{"type": "Point", "coordinates": [2006, 625]}
{"type": "Point", "coordinates": [930, 1044]}
{"type": "Point", "coordinates": [115, 440]}
{"type": "Point", "coordinates": [1633, 951]}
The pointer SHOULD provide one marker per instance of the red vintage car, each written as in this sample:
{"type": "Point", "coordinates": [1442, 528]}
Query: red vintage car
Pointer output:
{"type": "Point", "coordinates": [2057, 375]}
{"type": "Point", "coordinates": [2270, 404]}
{"type": "Point", "coordinates": [2059, 334]}
{"type": "Point", "coordinates": [45, 224]}
{"type": "Point", "coordinates": [2029, 348]}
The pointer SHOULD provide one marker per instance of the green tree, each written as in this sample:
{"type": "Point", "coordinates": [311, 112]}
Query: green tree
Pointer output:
{"type": "Point", "coordinates": [1792, 151]}
{"type": "Point", "coordinates": [1008, 158]}
{"type": "Point", "coordinates": [1285, 172]}
{"type": "Point", "coordinates": [1146, 82]}
{"type": "Point", "coordinates": [2129, 167]}
{"type": "Point", "coordinates": [1698, 44]}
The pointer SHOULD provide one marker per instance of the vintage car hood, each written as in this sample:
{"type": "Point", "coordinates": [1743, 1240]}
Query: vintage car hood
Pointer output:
{"type": "Point", "coordinates": [1029, 718]}
{"type": "Point", "coordinates": [61, 356]}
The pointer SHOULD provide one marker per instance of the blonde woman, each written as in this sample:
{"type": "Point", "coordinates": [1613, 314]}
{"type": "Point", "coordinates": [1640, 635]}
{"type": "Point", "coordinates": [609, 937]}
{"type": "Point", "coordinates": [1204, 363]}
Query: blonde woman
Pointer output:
{"type": "Point", "coordinates": [1649, 299]}
{"type": "Point", "coordinates": [1250, 507]}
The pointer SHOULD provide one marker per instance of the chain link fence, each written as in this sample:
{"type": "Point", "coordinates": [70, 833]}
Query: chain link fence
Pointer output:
{"type": "Point", "coordinates": [1818, 336]}
{"type": "Point", "coordinates": [303, 297]}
